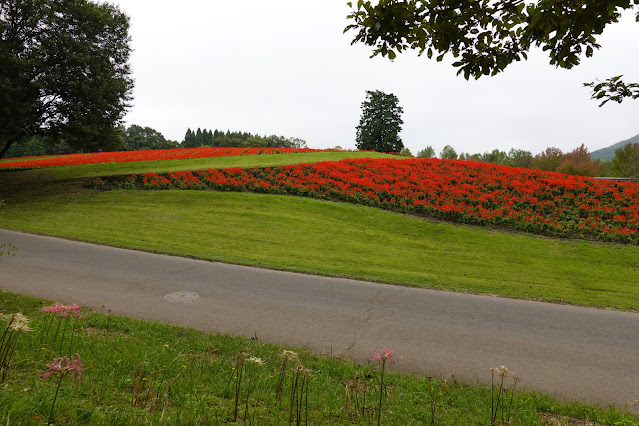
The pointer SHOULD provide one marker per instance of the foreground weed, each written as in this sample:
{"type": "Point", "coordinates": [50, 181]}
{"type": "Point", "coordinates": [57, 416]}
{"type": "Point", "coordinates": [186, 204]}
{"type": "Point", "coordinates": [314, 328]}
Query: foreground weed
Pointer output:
{"type": "Point", "coordinates": [254, 361]}
{"type": "Point", "coordinates": [150, 389]}
{"type": "Point", "coordinates": [240, 358]}
{"type": "Point", "coordinates": [287, 356]}
{"type": "Point", "coordinates": [433, 400]}
{"type": "Point", "coordinates": [299, 395]}
{"type": "Point", "coordinates": [501, 401]}
{"type": "Point", "coordinates": [63, 366]}
{"type": "Point", "coordinates": [356, 390]}
{"type": "Point", "coordinates": [382, 356]}
{"type": "Point", "coordinates": [17, 324]}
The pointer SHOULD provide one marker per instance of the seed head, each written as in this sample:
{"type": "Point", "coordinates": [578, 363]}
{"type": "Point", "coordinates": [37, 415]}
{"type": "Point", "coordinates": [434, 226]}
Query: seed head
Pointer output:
{"type": "Point", "coordinates": [502, 370]}
{"type": "Point", "coordinates": [289, 355]}
{"type": "Point", "coordinates": [256, 360]}
{"type": "Point", "coordinates": [20, 323]}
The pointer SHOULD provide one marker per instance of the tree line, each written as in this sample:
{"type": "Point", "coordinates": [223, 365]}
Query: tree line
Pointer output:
{"type": "Point", "coordinates": [380, 124]}
{"type": "Point", "coordinates": [136, 137]}
{"type": "Point", "coordinates": [576, 162]}
{"type": "Point", "coordinates": [204, 137]}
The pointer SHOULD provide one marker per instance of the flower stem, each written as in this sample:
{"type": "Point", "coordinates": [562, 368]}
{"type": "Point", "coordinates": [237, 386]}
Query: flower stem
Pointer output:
{"type": "Point", "coordinates": [55, 397]}
{"type": "Point", "coordinates": [381, 393]}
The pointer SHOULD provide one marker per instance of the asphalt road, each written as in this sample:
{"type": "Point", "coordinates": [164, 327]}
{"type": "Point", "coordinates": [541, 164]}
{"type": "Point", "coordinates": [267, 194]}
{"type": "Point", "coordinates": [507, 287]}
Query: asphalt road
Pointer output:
{"type": "Point", "coordinates": [575, 353]}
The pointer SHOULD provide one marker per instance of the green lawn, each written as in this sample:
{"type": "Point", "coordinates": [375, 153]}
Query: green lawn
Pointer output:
{"type": "Point", "coordinates": [320, 237]}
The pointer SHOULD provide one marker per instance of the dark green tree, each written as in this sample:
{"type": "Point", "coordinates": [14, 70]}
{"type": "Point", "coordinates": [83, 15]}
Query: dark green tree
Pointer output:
{"type": "Point", "coordinates": [189, 139]}
{"type": "Point", "coordinates": [495, 157]}
{"type": "Point", "coordinates": [548, 160]}
{"type": "Point", "coordinates": [284, 142]}
{"type": "Point", "coordinates": [199, 137]}
{"type": "Point", "coordinates": [37, 145]}
{"type": "Point", "coordinates": [380, 123]}
{"type": "Point", "coordinates": [64, 72]}
{"type": "Point", "coordinates": [486, 36]}
{"type": "Point", "coordinates": [138, 137]}
{"type": "Point", "coordinates": [16, 149]}
{"type": "Point", "coordinates": [520, 158]}
{"type": "Point", "coordinates": [405, 152]}
{"type": "Point", "coordinates": [578, 162]}
{"type": "Point", "coordinates": [208, 137]}
{"type": "Point", "coordinates": [471, 157]}
{"type": "Point", "coordinates": [448, 152]}
{"type": "Point", "coordinates": [427, 152]}
{"type": "Point", "coordinates": [626, 161]}
{"type": "Point", "coordinates": [34, 147]}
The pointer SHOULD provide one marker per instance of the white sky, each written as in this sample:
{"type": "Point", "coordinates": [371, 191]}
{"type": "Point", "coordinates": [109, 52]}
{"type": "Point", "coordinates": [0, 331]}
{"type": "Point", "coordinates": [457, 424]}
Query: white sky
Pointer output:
{"type": "Point", "coordinates": [284, 67]}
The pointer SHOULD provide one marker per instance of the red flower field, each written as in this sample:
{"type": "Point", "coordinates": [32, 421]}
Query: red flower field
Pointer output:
{"type": "Point", "coordinates": [462, 191]}
{"type": "Point", "coordinates": [146, 155]}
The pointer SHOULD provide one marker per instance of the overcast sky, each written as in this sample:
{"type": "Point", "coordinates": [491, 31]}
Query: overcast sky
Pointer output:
{"type": "Point", "coordinates": [285, 67]}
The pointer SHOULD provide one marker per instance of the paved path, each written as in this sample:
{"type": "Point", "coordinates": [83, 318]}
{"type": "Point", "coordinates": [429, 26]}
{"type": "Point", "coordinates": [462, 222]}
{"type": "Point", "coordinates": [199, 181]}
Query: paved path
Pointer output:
{"type": "Point", "coordinates": [578, 353]}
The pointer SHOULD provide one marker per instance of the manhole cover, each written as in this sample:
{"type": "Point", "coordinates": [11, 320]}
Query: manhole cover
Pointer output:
{"type": "Point", "coordinates": [181, 296]}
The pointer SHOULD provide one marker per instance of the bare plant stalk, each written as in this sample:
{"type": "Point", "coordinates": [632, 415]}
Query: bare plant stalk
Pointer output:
{"type": "Point", "coordinates": [294, 384]}
{"type": "Point", "coordinates": [492, 397]}
{"type": "Point", "coordinates": [55, 397]}
{"type": "Point", "coordinates": [75, 323]}
{"type": "Point", "coordinates": [432, 401]}
{"type": "Point", "coordinates": [239, 367]}
{"type": "Point", "coordinates": [280, 381]}
{"type": "Point", "coordinates": [381, 393]}
{"type": "Point", "coordinates": [248, 392]}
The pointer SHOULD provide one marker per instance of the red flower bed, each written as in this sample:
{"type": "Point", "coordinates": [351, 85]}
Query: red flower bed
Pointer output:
{"type": "Point", "coordinates": [145, 155]}
{"type": "Point", "coordinates": [463, 191]}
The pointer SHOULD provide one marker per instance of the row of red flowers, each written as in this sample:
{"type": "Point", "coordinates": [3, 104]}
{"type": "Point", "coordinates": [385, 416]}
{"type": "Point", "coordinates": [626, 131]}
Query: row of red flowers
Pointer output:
{"type": "Point", "coordinates": [144, 155]}
{"type": "Point", "coordinates": [463, 191]}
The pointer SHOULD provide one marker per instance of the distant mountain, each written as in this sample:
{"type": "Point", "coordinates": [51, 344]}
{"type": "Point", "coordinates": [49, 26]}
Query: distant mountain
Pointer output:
{"type": "Point", "coordinates": [608, 153]}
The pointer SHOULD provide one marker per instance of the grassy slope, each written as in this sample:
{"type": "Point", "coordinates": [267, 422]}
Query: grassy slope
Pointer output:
{"type": "Point", "coordinates": [320, 237]}
{"type": "Point", "coordinates": [201, 369]}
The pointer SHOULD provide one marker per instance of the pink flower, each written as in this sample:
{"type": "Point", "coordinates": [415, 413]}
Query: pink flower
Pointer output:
{"type": "Point", "coordinates": [75, 309]}
{"type": "Point", "coordinates": [383, 355]}
{"type": "Point", "coordinates": [54, 309]}
{"type": "Point", "coordinates": [64, 365]}
{"type": "Point", "coordinates": [62, 310]}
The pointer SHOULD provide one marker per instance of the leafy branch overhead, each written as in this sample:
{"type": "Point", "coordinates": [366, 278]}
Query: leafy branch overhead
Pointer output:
{"type": "Point", "coordinates": [613, 89]}
{"type": "Point", "coordinates": [486, 36]}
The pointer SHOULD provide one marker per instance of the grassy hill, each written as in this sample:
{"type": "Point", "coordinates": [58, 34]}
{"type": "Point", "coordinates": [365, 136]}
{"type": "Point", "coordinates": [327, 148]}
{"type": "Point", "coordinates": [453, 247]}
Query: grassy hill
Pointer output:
{"type": "Point", "coordinates": [608, 153]}
{"type": "Point", "coordinates": [288, 233]}
{"type": "Point", "coordinates": [316, 236]}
